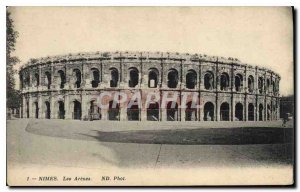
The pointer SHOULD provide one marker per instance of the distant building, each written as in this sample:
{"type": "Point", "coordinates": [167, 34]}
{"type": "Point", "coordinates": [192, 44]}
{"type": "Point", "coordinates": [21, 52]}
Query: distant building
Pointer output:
{"type": "Point", "coordinates": [67, 87]}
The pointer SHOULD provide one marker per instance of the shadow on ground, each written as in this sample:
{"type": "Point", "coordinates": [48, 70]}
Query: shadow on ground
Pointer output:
{"type": "Point", "coordinates": [215, 136]}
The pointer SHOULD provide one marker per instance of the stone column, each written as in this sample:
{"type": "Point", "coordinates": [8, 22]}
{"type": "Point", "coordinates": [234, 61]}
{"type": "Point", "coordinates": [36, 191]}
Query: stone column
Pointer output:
{"type": "Point", "coordinates": [53, 111]}
{"type": "Point", "coordinates": [68, 110]}
{"type": "Point", "coordinates": [31, 115]}
{"type": "Point", "coordinates": [24, 115]}
{"type": "Point", "coordinates": [40, 104]}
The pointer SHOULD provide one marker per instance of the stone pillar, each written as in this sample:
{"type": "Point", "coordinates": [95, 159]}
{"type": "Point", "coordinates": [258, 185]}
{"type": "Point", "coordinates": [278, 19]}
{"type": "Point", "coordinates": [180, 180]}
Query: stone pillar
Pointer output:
{"type": "Point", "coordinates": [53, 111]}
{"type": "Point", "coordinates": [68, 111]}
{"type": "Point", "coordinates": [123, 113]}
{"type": "Point", "coordinates": [40, 104]}
{"type": "Point", "coordinates": [24, 115]}
{"type": "Point", "coordinates": [31, 115]}
{"type": "Point", "coordinates": [143, 113]}
{"type": "Point", "coordinates": [84, 106]}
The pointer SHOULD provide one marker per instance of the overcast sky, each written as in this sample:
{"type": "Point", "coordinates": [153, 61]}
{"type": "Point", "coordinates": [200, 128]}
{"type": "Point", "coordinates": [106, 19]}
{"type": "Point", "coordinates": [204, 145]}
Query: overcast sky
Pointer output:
{"type": "Point", "coordinates": [258, 36]}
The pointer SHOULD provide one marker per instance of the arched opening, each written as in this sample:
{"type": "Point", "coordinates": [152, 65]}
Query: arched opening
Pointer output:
{"type": "Point", "coordinates": [62, 79]}
{"type": "Point", "coordinates": [268, 112]}
{"type": "Point", "coordinates": [77, 110]}
{"type": "Point", "coordinates": [209, 81]}
{"type": "Point", "coordinates": [250, 112]}
{"type": "Point", "coordinates": [37, 79]}
{"type": "Point", "coordinates": [153, 112]}
{"type": "Point", "coordinates": [114, 77]}
{"type": "Point", "coordinates": [153, 78]}
{"type": "Point", "coordinates": [48, 110]}
{"type": "Point", "coordinates": [239, 112]}
{"type": "Point", "coordinates": [27, 108]}
{"type": "Point", "coordinates": [209, 111]}
{"type": "Point", "coordinates": [94, 111]}
{"type": "Point", "coordinates": [36, 105]}
{"type": "Point", "coordinates": [172, 78]}
{"type": "Point", "coordinates": [224, 112]}
{"type": "Point", "coordinates": [250, 84]}
{"type": "Point", "coordinates": [48, 79]}
{"type": "Point", "coordinates": [273, 86]}
{"type": "Point", "coordinates": [238, 82]}
{"type": "Point", "coordinates": [96, 77]}
{"type": "Point", "coordinates": [172, 111]}
{"type": "Point", "coordinates": [133, 113]}
{"type": "Point", "coordinates": [190, 112]}
{"type": "Point", "coordinates": [224, 82]}
{"type": "Point", "coordinates": [133, 77]}
{"type": "Point", "coordinates": [113, 111]}
{"type": "Point", "coordinates": [77, 78]}
{"type": "Point", "coordinates": [260, 112]}
{"type": "Point", "coordinates": [61, 110]}
{"type": "Point", "coordinates": [260, 85]}
{"type": "Point", "coordinates": [268, 85]}
{"type": "Point", "coordinates": [191, 79]}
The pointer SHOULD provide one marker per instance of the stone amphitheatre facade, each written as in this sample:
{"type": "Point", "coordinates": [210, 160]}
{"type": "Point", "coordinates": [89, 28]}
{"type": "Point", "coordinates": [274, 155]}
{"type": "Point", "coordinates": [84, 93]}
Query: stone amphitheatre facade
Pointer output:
{"type": "Point", "coordinates": [68, 87]}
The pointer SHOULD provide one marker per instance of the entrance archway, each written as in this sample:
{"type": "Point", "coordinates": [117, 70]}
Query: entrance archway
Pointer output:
{"type": "Point", "coordinates": [113, 111]}
{"type": "Point", "coordinates": [260, 113]}
{"type": "Point", "coordinates": [209, 111]}
{"type": "Point", "coordinates": [36, 105]}
{"type": "Point", "coordinates": [61, 110]}
{"type": "Point", "coordinates": [48, 110]}
{"type": "Point", "coordinates": [224, 112]}
{"type": "Point", "coordinates": [133, 113]}
{"type": "Point", "coordinates": [250, 112]}
{"type": "Point", "coordinates": [153, 112]}
{"type": "Point", "coordinates": [94, 112]}
{"type": "Point", "coordinates": [239, 112]}
{"type": "Point", "coordinates": [77, 110]}
{"type": "Point", "coordinates": [190, 112]}
{"type": "Point", "coordinates": [172, 111]}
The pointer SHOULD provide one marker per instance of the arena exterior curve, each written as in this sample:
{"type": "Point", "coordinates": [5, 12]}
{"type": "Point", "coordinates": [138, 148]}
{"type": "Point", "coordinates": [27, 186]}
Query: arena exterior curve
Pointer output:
{"type": "Point", "coordinates": [148, 86]}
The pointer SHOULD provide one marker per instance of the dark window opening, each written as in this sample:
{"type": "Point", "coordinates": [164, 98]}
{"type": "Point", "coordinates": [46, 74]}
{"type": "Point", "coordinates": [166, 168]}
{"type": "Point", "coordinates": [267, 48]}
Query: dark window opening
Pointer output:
{"type": "Point", "coordinates": [96, 78]}
{"type": "Point", "coordinates": [191, 80]}
{"type": "Point", "coordinates": [133, 77]}
{"type": "Point", "coordinates": [114, 78]}
{"type": "Point", "coordinates": [62, 78]}
{"type": "Point", "coordinates": [77, 78]}
{"type": "Point", "coordinates": [260, 85]}
{"type": "Point", "coordinates": [48, 79]}
{"type": "Point", "coordinates": [152, 79]}
{"type": "Point", "coordinates": [224, 82]}
{"type": "Point", "coordinates": [250, 84]}
{"type": "Point", "coordinates": [209, 81]}
{"type": "Point", "coordinates": [37, 79]}
{"type": "Point", "coordinates": [172, 78]}
{"type": "Point", "coordinates": [238, 82]}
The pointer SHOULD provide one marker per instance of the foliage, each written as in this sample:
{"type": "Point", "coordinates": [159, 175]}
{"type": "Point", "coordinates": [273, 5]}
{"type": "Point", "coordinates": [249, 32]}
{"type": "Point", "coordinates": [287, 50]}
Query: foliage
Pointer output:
{"type": "Point", "coordinates": [12, 95]}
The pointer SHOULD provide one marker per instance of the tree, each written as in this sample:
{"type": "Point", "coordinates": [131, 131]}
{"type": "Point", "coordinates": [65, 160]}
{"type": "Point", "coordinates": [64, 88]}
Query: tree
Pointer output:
{"type": "Point", "coordinates": [12, 95]}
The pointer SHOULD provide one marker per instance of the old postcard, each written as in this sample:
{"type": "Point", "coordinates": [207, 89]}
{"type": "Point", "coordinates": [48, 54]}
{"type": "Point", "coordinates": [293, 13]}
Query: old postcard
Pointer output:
{"type": "Point", "coordinates": [150, 96]}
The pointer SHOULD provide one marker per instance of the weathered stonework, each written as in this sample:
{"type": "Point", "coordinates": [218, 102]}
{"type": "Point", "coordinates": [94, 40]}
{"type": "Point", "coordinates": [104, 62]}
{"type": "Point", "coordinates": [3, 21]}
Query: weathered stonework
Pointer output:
{"type": "Point", "coordinates": [67, 87]}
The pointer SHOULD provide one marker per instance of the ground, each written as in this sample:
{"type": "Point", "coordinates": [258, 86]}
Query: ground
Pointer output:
{"type": "Point", "coordinates": [36, 146]}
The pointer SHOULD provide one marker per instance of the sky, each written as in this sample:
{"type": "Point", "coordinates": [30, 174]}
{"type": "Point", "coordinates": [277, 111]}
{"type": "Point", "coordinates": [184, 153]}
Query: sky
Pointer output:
{"type": "Point", "coordinates": [255, 35]}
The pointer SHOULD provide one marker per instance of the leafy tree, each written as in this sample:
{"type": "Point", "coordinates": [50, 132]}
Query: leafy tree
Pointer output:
{"type": "Point", "coordinates": [12, 95]}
